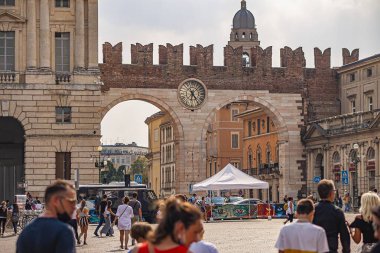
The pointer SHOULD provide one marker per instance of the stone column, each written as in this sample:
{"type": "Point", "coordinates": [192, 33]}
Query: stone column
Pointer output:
{"type": "Point", "coordinates": [93, 35]}
{"type": "Point", "coordinates": [79, 35]}
{"type": "Point", "coordinates": [44, 35]}
{"type": "Point", "coordinates": [31, 35]}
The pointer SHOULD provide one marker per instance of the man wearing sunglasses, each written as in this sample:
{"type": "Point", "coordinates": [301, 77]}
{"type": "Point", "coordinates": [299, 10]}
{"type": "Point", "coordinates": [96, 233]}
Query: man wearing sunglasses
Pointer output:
{"type": "Point", "coordinates": [376, 228]}
{"type": "Point", "coordinates": [50, 232]}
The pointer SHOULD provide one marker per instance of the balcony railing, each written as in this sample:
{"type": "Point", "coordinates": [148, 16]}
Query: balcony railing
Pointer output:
{"type": "Point", "coordinates": [250, 171]}
{"type": "Point", "coordinates": [348, 122]}
{"type": "Point", "coordinates": [268, 169]}
{"type": "Point", "coordinates": [8, 77]}
{"type": "Point", "coordinates": [62, 77]}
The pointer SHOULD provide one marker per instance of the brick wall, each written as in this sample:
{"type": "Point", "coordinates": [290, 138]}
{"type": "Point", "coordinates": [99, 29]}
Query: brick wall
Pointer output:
{"type": "Point", "coordinates": [318, 86]}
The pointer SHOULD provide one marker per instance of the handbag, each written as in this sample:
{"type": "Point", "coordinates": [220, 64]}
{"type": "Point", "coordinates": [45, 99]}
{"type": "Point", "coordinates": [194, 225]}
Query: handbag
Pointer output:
{"type": "Point", "coordinates": [116, 221]}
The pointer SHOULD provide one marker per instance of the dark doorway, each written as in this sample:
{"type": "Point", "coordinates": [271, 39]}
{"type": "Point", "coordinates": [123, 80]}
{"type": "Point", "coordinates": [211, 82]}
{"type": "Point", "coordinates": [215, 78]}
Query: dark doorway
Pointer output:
{"type": "Point", "coordinates": [12, 173]}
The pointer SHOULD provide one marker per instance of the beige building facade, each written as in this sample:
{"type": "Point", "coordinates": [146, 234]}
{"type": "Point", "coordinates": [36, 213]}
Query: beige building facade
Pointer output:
{"type": "Point", "coordinates": [162, 155]}
{"type": "Point", "coordinates": [348, 144]}
{"type": "Point", "coordinates": [50, 91]}
{"type": "Point", "coordinates": [121, 154]}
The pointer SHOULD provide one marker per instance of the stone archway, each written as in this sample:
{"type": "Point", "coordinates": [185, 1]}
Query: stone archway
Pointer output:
{"type": "Point", "coordinates": [109, 102]}
{"type": "Point", "coordinates": [12, 173]}
{"type": "Point", "coordinates": [288, 139]}
{"type": "Point", "coordinates": [192, 128]}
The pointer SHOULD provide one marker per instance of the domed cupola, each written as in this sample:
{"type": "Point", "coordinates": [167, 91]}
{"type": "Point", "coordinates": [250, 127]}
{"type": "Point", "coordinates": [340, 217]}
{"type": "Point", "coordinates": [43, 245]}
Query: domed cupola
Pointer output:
{"type": "Point", "coordinates": [244, 33]}
{"type": "Point", "coordinates": [243, 19]}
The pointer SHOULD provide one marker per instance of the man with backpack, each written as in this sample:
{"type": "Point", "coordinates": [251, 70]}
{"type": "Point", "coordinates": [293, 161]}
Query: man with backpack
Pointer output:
{"type": "Point", "coordinates": [137, 211]}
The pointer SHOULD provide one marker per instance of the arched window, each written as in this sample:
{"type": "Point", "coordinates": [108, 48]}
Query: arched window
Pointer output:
{"type": "Point", "coordinates": [243, 35]}
{"type": "Point", "coordinates": [268, 154]}
{"type": "Point", "coordinates": [319, 168]}
{"type": "Point", "coordinates": [258, 160]}
{"type": "Point", "coordinates": [370, 154]}
{"type": "Point", "coordinates": [236, 36]}
{"type": "Point", "coordinates": [336, 157]}
{"type": "Point", "coordinates": [250, 36]}
{"type": "Point", "coordinates": [246, 60]}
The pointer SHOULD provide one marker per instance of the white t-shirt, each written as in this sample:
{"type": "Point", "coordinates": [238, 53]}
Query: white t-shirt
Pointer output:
{"type": "Point", "coordinates": [203, 247]}
{"type": "Point", "coordinates": [290, 209]}
{"type": "Point", "coordinates": [302, 237]}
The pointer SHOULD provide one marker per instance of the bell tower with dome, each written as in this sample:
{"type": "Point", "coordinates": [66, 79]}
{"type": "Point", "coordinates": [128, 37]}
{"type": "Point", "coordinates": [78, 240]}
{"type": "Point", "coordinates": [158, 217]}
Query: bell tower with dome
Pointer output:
{"type": "Point", "coordinates": [244, 33]}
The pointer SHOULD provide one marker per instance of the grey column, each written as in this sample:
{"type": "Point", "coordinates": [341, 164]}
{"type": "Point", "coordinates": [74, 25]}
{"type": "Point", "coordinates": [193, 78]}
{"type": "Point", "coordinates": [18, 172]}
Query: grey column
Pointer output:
{"type": "Point", "coordinates": [44, 35]}
{"type": "Point", "coordinates": [79, 34]}
{"type": "Point", "coordinates": [31, 35]}
{"type": "Point", "coordinates": [93, 62]}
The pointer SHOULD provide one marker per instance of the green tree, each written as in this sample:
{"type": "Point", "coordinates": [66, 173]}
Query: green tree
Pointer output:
{"type": "Point", "coordinates": [112, 174]}
{"type": "Point", "coordinates": [140, 167]}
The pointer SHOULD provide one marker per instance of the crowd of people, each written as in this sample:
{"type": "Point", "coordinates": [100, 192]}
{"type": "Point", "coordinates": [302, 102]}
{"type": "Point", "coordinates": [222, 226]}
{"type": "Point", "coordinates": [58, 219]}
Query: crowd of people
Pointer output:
{"type": "Point", "coordinates": [318, 227]}
{"type": "Point", "coordinates": [179, 229]}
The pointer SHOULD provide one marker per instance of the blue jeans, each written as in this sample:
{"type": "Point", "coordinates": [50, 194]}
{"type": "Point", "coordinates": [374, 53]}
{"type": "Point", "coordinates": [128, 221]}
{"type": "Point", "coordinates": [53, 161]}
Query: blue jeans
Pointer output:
{"type": "Point", "coordinates": [347, 207]}
{"type": "Point", "coordinates": [101, 221]}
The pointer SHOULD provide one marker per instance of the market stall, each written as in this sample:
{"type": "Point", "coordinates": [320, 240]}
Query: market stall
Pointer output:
{"type": "Point", "coordinates": [230, 178]}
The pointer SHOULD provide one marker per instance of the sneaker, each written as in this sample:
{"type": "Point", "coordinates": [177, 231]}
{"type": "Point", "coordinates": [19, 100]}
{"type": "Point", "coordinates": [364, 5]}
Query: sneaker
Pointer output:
{"type": "Point", "coordinates": [85, 243]}
{"type": "Point", "coordinates": [96, 234]}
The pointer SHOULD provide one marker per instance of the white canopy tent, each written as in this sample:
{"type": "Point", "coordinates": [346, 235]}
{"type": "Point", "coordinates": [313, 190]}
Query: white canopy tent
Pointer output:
{"type": "Point", "coordinates": [231, 178]}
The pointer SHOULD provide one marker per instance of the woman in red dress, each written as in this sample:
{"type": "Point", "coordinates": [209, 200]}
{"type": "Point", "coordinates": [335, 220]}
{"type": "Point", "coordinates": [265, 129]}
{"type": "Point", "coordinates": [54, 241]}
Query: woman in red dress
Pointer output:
{"type": "Point", "coordinates": [180, 226]}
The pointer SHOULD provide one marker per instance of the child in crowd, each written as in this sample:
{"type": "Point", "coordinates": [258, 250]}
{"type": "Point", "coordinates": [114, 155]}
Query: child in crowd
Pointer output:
{"type": "Point", "coordinates": [303, 236]}
{"type": "Point", "coordinates": [141, 232]}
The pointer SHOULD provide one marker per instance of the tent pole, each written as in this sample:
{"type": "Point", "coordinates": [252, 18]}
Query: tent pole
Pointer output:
{"type": "Point", "coordinates": [211, 217]}
{"type": "Point", "coordinates": [249, 209]}
{"type": "Point", "coordinates": [269, 216]}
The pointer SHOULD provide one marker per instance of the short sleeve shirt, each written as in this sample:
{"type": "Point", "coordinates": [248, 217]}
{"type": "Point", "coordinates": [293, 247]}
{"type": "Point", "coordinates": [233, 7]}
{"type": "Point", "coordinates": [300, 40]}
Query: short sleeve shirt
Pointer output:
{"type": "Point", "coordinates": [204, 247]}
{"type": "Point", "coordinates": [46, 235]}
{"type": "Point", "coordinates": [136, 205]}
{"type": "Point", "coordinates": [302, 237]}
{"type": "Point", "coordinates": [366, 229]}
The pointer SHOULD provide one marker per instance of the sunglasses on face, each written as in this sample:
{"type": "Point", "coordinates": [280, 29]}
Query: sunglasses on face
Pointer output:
{"type": "Point", "coordinates": [71, 201]}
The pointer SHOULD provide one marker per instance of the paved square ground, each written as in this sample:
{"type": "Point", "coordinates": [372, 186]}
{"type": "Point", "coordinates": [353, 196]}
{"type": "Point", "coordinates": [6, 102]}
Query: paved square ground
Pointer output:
{"type": "Point", "coordinates": [247, 236]}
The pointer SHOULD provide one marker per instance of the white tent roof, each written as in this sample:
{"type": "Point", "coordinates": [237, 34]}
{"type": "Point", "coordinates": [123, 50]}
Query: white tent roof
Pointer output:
{"type": "Point", "coordinates": [230, 178]}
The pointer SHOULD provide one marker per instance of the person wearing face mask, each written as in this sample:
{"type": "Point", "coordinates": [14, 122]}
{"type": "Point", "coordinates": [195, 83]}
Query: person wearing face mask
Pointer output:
{"type": "Point", "coordinates": [180, 226]}
{"type": "Point", "coordinates": [50, 232]}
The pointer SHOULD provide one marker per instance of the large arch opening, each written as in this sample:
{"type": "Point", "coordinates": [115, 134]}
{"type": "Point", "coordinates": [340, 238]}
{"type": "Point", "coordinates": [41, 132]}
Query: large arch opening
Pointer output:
{"type": "Point", "coordinates": [249, 133]}
{"type": "Point", "coordinates": [12, 173]}
{"type": "Point", "coordinates": [158, 154]}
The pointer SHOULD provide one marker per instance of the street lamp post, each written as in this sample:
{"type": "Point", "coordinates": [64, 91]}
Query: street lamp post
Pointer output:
{"type": "Point", "coordinates": [100, 163]}
{"type": "Point", "coordinates": [356, 161]}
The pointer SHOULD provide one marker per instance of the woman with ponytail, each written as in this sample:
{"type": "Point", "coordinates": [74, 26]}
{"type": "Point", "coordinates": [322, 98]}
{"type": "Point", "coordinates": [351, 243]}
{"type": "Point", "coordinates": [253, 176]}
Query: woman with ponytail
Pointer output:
{"type": "Point", "coordinates": [181, 225]}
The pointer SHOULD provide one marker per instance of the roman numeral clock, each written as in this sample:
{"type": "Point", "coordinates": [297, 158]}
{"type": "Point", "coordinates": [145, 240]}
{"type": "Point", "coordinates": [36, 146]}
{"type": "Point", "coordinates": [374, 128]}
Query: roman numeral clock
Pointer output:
{"type": "Point", "coordinates": [192, 94]}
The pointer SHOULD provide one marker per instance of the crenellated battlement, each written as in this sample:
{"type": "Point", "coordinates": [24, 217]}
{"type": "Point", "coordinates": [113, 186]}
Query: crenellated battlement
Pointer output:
{"type": "Point", "coordinates": [142, 55]}
{"type": "Point", "coordinates": [202, 57]}
{"type": "Point", "coordinates": [318, 86]}
{"type": "Point", "coordinates": [349, 58]}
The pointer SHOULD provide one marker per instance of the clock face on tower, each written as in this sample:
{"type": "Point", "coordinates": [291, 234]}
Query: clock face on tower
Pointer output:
{"type": "Point", "coordinates": [191, 93]}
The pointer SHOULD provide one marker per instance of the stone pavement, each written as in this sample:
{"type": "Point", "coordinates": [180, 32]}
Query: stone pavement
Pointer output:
{"type": "Point", "coordinates": [246, 236]}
